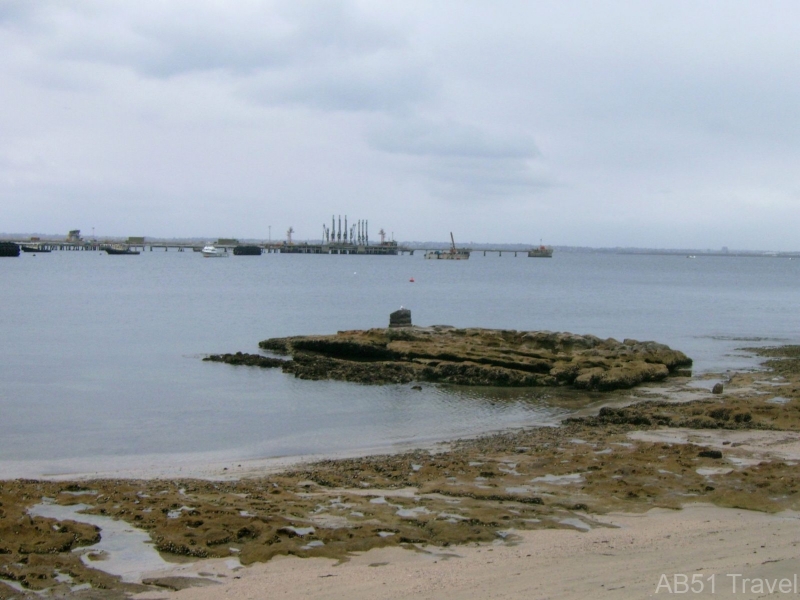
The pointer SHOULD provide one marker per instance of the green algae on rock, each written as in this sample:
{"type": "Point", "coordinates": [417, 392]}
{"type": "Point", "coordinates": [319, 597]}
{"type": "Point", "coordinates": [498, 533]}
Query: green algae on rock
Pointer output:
{"type": "Point", "coordinates": [476, 356]}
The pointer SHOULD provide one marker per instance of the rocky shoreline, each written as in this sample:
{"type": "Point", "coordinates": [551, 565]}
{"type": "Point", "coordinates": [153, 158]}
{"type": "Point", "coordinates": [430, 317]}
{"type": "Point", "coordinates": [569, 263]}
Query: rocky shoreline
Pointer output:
{"type": "Point", "coordinates": [656, 453]}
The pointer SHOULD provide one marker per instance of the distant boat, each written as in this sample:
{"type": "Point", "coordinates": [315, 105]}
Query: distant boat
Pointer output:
{"type": "Point", "coordinates": [213, 252]}
{"type": "Point", "coordinates": [541, 252]}
{"type": "Point", "coordinates": [119, 249]}
{"type": "Point", "coordinates": [247, 251]}
{"type": "Point", "coordinates": [34, 248]}
{"type": "Point", "coordinates": [452, 254]}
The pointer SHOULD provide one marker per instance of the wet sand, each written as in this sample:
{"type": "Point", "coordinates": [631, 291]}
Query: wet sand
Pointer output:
{"type": "Point", "coordinates": [629, 558]}
{"type": "Point", "coordinates": [604, 501]}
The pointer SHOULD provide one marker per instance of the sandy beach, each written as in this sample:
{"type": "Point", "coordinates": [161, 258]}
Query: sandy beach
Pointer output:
{"type": "Point", "coordinates": [720, 553]}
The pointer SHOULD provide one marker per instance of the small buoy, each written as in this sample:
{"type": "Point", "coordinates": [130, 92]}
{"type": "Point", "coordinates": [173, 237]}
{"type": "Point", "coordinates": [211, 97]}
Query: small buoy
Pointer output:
{"type": "Point", "coordinates": [411, 280]}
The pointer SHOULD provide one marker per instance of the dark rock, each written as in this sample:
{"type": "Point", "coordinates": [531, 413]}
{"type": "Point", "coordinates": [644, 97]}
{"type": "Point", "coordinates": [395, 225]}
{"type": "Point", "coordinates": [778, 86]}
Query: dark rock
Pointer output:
{"type": "Point", "coordinates": [400, 318]}
{"type": "Point", "coordinates": [710, 454]}
{"type": "Point", "coordinates": [276, 345]}
{"type": "Point", "coordinates": [720, 414]}
{"type": "Point", "coordinates": [249, 360]}
{"type": "Point", "coordinates": [717, 389]}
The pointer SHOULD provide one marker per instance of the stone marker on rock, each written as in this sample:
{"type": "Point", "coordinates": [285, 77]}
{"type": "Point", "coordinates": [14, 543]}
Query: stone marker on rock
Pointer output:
{"type": "Point", "coordinates": [400, 318]}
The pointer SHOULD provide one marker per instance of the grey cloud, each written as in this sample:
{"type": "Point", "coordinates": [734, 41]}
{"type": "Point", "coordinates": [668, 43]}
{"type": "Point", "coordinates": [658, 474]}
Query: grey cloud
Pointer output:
{"type": "Point", "coordinates": [377, 83]}
{"type": "Point", "coordinates": [166, 39]}
{"type": "Point", "coordinates": [463, 161]}
{"type": "Point", "coordinates": [477, 179]}
{"type": "Point", "coordinates": [447, 138]}
{"type": "Point", "coordinates": [18, 13]}
{"type": "Point", "coordinates": [588, 109]}
{"type": "Point", "coordinates": [327, 56]}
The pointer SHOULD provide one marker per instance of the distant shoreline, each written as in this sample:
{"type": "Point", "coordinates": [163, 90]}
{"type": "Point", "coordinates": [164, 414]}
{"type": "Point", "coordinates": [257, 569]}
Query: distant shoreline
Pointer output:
{"type": "Point", "coordinates": [29, 238]}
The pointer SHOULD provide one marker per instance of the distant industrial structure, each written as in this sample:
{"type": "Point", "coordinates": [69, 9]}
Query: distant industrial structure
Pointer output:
{"type": "Point", "coordinates": [338, 239]}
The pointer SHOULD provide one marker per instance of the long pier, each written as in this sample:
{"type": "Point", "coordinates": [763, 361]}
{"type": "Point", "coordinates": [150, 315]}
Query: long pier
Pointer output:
{"type": "Point", "coordinates": [386, 249]}
{"type": "Point", "coordinates": [338, 248]}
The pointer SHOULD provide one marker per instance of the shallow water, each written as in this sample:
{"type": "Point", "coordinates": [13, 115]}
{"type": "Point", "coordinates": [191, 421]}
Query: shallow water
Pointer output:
{"type": "Point", "coordinates": [123, 549]}
{"type": "Point", "coordinates": [101, 355]}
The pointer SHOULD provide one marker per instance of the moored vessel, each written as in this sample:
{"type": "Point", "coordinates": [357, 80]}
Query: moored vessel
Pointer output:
{"type": "Point", "coordinates": [33, 248]}
{"type": "Point", "coordinates": [9, 249]}
{"type": "Point", "coordinates": [247, 251]}
{"type": "Point", "coordinates": [212, 251]}
{"type": "Point", "coordinates": [452, 254]}
{"type": "Point", "coordinates": [541, 252]}
{"type": "Point", "coordinates": [119, 249]}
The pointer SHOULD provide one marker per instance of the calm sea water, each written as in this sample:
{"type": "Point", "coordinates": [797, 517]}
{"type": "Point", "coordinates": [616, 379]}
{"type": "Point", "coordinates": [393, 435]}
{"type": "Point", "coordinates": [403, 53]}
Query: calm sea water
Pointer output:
{"type": "Point", "coordinates": [101, 354]}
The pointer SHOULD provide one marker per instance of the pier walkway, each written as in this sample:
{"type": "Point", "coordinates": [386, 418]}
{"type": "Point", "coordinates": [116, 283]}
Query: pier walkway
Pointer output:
{"type": "Point", "coordinates": [385, 249]}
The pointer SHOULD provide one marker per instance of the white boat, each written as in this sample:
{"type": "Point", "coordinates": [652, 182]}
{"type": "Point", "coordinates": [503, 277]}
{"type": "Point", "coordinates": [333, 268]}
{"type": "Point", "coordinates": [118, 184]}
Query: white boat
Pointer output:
{"type": "Point", "coordinates": [213, 252]}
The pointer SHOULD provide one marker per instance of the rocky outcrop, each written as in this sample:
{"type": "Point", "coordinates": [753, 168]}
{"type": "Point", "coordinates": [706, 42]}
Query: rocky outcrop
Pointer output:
{"type": "Point", "coordinates": [477, 357]}
{"type": "Point", "coordinates": [249, 360]}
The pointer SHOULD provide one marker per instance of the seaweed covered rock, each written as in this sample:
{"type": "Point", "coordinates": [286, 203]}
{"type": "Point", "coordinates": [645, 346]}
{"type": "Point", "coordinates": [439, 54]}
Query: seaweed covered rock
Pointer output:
{"type": "Point", "coordinates": [477, 356]}
{"type": "Point", "coordinates": [250, 360]}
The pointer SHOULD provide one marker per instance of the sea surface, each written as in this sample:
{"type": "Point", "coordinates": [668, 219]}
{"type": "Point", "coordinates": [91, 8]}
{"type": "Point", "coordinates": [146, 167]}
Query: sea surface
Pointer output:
{"type": "Point", "coordinates": [101, 355]}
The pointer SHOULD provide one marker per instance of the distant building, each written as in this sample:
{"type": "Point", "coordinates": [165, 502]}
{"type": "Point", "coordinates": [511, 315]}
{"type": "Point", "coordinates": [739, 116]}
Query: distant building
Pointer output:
{"type": "Point", "coordinates": [74, 235]}
{"type": "Point", "coordinates": [136, 241]}
{"type": "Point", "coordinates": [227, 242]}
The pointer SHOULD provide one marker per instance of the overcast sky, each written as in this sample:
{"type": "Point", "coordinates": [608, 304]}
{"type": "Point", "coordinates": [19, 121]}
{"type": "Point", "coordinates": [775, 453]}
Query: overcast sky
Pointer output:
{"type": "Point", "coordinates": [670, 124]}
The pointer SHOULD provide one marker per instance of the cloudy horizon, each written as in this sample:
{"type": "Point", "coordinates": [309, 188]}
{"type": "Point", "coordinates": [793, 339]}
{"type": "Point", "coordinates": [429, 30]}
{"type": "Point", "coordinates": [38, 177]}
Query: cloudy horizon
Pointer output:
{"type": "Point", "coordinates": [659, 124]}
